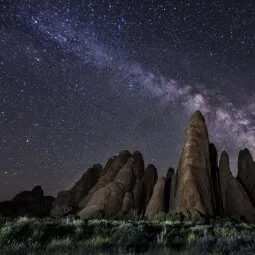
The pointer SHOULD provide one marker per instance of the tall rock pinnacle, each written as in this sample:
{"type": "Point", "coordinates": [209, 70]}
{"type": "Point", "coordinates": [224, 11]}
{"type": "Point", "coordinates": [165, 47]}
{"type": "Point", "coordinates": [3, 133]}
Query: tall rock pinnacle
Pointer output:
{"type": "Point", "coordinates": [235, 200]}
{"type": "Point", "coordinates": [193, 191]}
{"type": "Point", "coordinates": [246, 173]}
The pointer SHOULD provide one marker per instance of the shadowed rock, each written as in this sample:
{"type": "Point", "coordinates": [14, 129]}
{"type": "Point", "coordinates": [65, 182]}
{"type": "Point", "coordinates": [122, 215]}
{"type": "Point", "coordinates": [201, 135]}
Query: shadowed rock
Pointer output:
{"type": "Point", "coordinates": [138, 164]}
{"type": "Point", "coordinates": [156, 204]}
{"type": "Point", "coordinates": [32, 203]}
{"type": "Point", "coordinates": [236, 202]}
{"type": "Point", "coordinates": [246, 173]}
{"type": "Point", "coordinates": [167, 191]}
{"type": "Point", "coordinates": [112, 169]}
{"type": "Point", "coordinates": [193, 192]}
{"type": "Point", "coordinates": [81, 188]}
{"type": "Point", "coordinates": [127, 203]}
{"type": "Point", "coordinates": [139, 194]}
{"type": "Point", "coordinates": [215, 180]}
{"type": "Point", "coordinates": [149, 179]}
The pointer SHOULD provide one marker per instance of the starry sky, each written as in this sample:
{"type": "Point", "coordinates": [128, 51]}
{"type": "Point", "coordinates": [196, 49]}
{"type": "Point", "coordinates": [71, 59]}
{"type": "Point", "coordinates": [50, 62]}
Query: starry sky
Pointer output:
{"type": "Point", "coordinates": [81, 80]}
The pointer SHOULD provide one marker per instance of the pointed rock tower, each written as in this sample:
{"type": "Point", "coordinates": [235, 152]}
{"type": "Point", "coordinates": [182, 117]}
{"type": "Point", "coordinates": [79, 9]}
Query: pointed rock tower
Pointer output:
{"type": "Point", "coordinates": [193, 192]}
{"type": "Point", "coordinates": [156, 204]}
{"type": "Point", "coordinates": [236, 203]}
{"type": "Point", "coordinates": [246, 173]}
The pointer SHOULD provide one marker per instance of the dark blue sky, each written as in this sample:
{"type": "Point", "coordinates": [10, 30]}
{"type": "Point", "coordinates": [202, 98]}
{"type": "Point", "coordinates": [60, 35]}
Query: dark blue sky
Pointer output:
{"type": "Point", "coordinates": [81, 80]}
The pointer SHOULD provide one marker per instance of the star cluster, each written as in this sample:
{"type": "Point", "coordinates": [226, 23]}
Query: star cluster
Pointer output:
{"type": "Point", "coordinates": [82, 80]}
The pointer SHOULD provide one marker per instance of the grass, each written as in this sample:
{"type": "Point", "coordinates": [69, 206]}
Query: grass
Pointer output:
{"type": "Point", "coordinates": [167, 233]}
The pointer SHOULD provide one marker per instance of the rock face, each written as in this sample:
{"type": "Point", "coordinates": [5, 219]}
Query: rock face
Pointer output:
{"type": "Point", "coordinates": [236, 202]}
{"type": "Point", "coordinates": [246, 173]}
{"type": "Point", "coordinates": [218, 210]}
{"type": "Point", "coordinates": [111, 170]}
{"type": "Point", "coordinates": [138, 164]}
{"type": "Point", "coordinates": [108, 199]}
{"type": "Point", "coordinates": [73, 197]}
{"type": "Point", "coordinates": [193, 191]}
{"type": "Point", "coordinates": [32, 203]}
{"type": "Point", "coordinates": [127, 203]}
{"type": "Point", "coordinates": [167, 191]}
{"type": "Point", "coordinates": [139, 193]}
{"type": "Point", "coordinates": [149, 179]}
{"type": "Point", "coordinates": [156, 204]}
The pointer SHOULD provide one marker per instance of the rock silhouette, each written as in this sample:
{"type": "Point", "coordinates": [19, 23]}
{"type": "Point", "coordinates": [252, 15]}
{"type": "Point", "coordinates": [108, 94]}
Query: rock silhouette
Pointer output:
{"type": "Point", "coordinates": [169, 177]}
{"type": "Point", "coordinates": [215, 181]}
{"type": "Point", "coordinates": [149, 179]}
{"type": "Point", "coordinates": [193, 192]}
{"type": "Point", "coordinates": [236, 203]}
{"type": "Point", "coordinates": [32, 203]}
{"type": "Point", "coordinates": [127, 203]}
{"type": "Point", "coordinates": [246, 173]}
{"type": "Point", "coordinates": [139, 194]}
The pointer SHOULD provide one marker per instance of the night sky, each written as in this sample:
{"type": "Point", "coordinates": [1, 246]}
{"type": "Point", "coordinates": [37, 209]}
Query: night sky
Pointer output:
{"type": "Point", "coordinates": [82, 80]}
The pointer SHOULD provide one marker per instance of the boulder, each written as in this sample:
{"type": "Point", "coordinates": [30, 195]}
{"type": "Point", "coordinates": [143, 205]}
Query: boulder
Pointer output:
{"type": "Point", "coordinates": [111, 171]}
{"type": "Point", "coordinates": [167, 191]}
{"type": "Point", "coordinates": [246, 173]}
{"type": "Point", "coordinates": [156, 204]}
{"type": "Point", "coordinates": [193, 191]}
{"type": "Point", "coordinates": [236, 203]}
{"type": "Point", "coordinates": [73, 197]}
{"type": "Point", "coordinates": [149, 179]}
{"type": "Point", "coordinates": [127, 203]}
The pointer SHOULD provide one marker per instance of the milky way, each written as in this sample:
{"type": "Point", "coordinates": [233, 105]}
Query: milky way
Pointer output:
{"type": "Point", "coordinates": [81, 80]}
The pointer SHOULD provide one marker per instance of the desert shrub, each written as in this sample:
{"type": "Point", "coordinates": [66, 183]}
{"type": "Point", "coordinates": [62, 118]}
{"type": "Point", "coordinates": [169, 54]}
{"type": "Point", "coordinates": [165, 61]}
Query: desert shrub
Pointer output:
{"type": "Point", "coordinates": [97, 241]}
{"type": "Point", "coordinates": [131, 215]}
{"type": "Point", "coordinates": [191, 238]}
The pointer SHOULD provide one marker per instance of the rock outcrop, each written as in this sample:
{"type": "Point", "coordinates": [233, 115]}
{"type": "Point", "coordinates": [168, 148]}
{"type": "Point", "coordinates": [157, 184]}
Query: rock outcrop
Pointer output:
{"type": "Point", "coordinates": [139, 193]}
{"type": "Point", "coordinates": [108, 199]}
{"type": "Point", "coordinates": [72, 197]}
{"type": "Point", "coordinates": [236, 203]}
{"type": "Point", "coordinates": [169, 177]}
{"type": "Point", "coordinates": [156, 203]}
{"type": "Point", "coordinates": [193, 191]}
{"type": "Point", "coordinates": [138, 164]}
{"type": "Point", "coordinates": [111, 170]}
{"type": "Point", "coordinates": [32, 203]}
{"type": "Point", "coordinates": [246, 173]}
{"type": "Point", "coordinates": [218, 210]}
{"type": "Point", "coordinates": [149, 179]}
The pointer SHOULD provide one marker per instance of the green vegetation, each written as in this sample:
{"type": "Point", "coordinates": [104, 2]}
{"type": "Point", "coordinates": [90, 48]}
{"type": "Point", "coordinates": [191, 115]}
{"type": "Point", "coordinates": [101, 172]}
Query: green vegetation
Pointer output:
{"type": "Point", "coordinates": [167, 233]}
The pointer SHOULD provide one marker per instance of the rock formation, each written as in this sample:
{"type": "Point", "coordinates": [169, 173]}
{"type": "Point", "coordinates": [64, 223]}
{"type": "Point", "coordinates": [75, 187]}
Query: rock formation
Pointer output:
{"type": "Point", "coordinates": [149, 179]}
{"type": "Point", "coordinates": [139, 194]}
{"type": "Point", "coordinates": [193, 191]}
{"type": "Point", "coordinates": [108, 199]}
{"type": "Point", "coordinates": [73, 197]}
{"type": "Point", "coordinates": [236, 203]}
{"type": "Point", "coordinates": [246, 173]}
{"type": "Point", "coordinates": [156, 204]}
{"type": "Point", "coordinates": [167, 191]}
{"type": "Point", "coordinates": [138, 164]}
{"type": "Point", "coordinates": [111, 170]}
{"type": "Point", "coordinates": [215, 180]}
{"type": "Point", "coordinates": [32, 203]}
